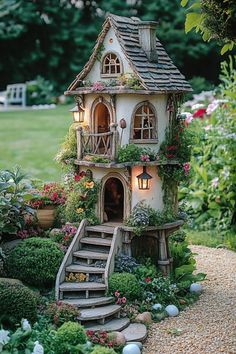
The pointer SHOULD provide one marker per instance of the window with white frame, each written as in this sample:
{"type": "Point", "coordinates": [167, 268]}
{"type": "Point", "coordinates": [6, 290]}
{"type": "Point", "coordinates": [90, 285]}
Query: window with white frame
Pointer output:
{"type": "Point", "coordinates": [144, 123]}
{"type": "Point", "coordinates": [111, 65]}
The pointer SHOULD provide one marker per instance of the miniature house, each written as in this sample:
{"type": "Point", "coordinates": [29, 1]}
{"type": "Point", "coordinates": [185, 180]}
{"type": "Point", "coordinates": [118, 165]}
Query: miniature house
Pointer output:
{"type": "Point", "coordinates": [112, 114]}
{"type": "Point", "coordinates": [127, 93]}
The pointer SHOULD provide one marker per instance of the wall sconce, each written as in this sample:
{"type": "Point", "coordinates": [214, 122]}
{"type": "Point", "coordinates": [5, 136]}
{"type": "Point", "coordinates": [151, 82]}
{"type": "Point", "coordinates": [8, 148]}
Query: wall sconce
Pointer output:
{"type": "Point", "coordinates": [78, 114]}
{"type": "Point", "coordinates": [144, 179]}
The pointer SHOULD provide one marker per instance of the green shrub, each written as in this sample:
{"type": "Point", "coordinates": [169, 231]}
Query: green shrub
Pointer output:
{"type": "Point", "coordinates": [103, 350]}
{"type": "Point", "coordinates": [35, 261]}
{"type": "Point", "coordinates": [129, 153]}
{"type": "Point", "coordinates": [127, 284]}
{"type": "Point", "coordinates": [16, 302]}
{"type": "Point", "coordinates": [69, 334]}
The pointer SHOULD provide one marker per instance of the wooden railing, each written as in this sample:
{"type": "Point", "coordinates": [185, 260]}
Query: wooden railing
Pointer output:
{"type": "Point", "coordinates": [97, 144]}
{"type": "Point", "coordinates": [74, 246]}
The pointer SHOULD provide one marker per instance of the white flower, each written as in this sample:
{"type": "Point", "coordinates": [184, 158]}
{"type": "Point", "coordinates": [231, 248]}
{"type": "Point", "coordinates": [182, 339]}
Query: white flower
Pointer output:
{"type": "Point", "coordinates": [188, 117]}
{"type": "Point", "coordinates": [4, 338]}
{"type": "Point", "coordinates": [197, 106]}
{"type": "Point", "coordinates": [215, 182]}
{"type": "Point", "coordinates": [25, 325]}
{"type": "Point", "coordinates": [38, 348]}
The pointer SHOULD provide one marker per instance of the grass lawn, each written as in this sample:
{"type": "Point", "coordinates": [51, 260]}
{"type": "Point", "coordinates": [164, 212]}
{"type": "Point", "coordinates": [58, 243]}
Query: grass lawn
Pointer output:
{"type": "Point", "coordinates": [31, 138]}
{"type": "Point", "coordinates": [212, 238]}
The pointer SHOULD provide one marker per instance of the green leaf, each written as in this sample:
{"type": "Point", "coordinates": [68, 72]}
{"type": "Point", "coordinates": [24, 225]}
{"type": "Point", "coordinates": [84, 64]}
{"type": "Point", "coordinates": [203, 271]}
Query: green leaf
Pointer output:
{"type": "Point", "coordinates": [193, 19]}
{"type": "Point", "coordinates": [186, 268]}
{"type": "Point", "coordinates": [183, 3]}
{"type": "Point", "coordinates": [224, 49]}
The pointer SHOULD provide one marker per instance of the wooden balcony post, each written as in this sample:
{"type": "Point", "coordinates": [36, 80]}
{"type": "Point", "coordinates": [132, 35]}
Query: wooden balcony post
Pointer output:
{"type": "Point", "coordinates": [79, 131]}
{"type": "Point", "coordinates": [114, 142]}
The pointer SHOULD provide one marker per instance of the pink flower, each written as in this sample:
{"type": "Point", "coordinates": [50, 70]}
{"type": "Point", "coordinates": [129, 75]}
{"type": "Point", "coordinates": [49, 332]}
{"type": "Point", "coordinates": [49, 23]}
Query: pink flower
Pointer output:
{"type": "Point", "coordinates": [117, 294]}
{"type": "Point", "coordinates": [123, 300]}
{"type": "Point", "coordinates": [145, 158]}
{"type": "Point", "coordinates": [98, 86]}
{"type": "Point", "coordinates": [186, 167]}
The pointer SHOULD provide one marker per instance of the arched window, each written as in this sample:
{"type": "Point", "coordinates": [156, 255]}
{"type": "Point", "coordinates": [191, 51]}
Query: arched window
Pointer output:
{"type": "Point", "coordinates": [144, 123]}
{"type": "Point", "coordinates": [111, 65]}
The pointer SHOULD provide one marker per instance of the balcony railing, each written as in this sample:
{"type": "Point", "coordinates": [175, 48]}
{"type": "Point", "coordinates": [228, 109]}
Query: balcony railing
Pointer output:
{"type": "Point", "coordinates": [97, 144]}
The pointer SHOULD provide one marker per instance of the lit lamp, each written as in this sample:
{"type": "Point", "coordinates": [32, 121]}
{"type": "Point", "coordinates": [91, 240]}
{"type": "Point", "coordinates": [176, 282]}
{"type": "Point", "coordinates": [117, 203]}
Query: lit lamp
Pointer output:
{"type": "Point", "coordinates": [144, 179]}
{"type": "Point", "coordinates": [78, 114]}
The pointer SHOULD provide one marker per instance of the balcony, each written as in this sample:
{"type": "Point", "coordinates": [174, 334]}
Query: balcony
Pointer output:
{"type": "Point", "coordinates": [97, 144]}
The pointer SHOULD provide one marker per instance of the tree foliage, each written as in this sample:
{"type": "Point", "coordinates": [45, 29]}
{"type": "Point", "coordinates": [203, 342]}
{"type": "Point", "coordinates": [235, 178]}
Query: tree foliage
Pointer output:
{"type": "Point", "coordinates": [54, 38]}
{"type": "Point", "coordinates": [214, 19]}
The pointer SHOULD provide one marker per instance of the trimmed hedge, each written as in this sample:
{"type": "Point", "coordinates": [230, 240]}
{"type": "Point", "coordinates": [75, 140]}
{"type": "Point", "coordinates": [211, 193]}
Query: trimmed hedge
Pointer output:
{"type": "Point", "coordinates": [69, 334]}
{"type": "Point", "coordinates": [127, 284]}
{"type": "Point", "coordinates": [35, 261]}
{"type": "Point", "coordinates": [17, 302]}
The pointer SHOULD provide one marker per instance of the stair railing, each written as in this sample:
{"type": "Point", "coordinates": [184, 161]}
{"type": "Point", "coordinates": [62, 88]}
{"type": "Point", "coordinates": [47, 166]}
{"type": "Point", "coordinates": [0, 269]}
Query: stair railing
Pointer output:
{"type": "Point", "coordinates": [74, 246]}
{"type": "Point", "coordinates": [116, 247]}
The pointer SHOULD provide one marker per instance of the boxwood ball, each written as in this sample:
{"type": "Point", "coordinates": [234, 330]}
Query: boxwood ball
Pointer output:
{"type": "Point", "coordinates": [195, 288]}
{"type": "Point", "coordinates": [172, 310]}
{"type": "Point", "coordinates": [131, 349]}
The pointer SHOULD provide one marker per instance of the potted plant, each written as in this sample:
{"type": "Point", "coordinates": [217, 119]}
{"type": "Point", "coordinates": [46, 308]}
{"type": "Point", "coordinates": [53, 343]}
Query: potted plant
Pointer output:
{"type": "Point", "coordinates": [45, 202]}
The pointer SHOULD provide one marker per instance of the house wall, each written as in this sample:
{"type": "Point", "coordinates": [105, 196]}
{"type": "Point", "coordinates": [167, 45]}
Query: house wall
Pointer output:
{"type": "Point", "coordinates": [125, 105]}
{"type": "Point", "coordinates": [133, 194]}
{"type": "Point", "coordinates": [95, 72]}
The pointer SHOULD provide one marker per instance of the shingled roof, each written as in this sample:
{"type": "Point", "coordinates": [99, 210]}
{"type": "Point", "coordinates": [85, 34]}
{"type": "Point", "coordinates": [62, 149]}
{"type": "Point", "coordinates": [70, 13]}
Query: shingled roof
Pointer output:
{"type": "Point", "coordinates": [157, 77]}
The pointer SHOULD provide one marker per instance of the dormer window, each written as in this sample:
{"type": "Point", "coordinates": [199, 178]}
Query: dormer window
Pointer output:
{"type": "Point", "coordinates": [111, 65]}
{"type": "Point", "coordinates": [144, 123]}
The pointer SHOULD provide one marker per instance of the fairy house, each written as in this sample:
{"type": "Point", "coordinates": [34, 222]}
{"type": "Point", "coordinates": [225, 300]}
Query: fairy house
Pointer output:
{"type": "Point", "coordinates": [127, 93]}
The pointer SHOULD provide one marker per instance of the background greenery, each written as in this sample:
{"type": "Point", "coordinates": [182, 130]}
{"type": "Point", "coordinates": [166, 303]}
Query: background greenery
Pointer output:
{"type": "Point", "coordinates": [54, 38]}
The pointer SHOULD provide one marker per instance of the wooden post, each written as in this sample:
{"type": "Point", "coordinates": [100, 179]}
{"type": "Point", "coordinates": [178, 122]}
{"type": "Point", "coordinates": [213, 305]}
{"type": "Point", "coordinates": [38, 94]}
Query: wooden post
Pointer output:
{"type": "Point", "coordinates": [79, 131]}
{"type": "Point", "coordinates": [114, 142]}
{"type": "Point", "coordinates": [164, 262]}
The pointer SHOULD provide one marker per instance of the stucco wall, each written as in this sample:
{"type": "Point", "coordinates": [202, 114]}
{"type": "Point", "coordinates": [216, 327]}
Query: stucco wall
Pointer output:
{"type": "Point", "coordinates": [94, 74]}
{"type": "Point", "coordinates": [153, 196]}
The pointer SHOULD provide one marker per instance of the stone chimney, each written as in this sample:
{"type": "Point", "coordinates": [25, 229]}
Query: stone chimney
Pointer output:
{"type": "Point", "coordinates": [147, 38]}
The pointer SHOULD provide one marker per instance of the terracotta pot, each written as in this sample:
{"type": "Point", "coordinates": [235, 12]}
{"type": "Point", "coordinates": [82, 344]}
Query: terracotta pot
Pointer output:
{"type": "Point", "coordinates": [46, 216]}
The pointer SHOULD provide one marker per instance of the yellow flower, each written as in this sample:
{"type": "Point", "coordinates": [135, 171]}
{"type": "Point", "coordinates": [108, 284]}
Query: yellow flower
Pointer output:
{"type": "Point", "coordinates": [79, 210]}
{"type": "Point", "coordinates": [89, 185]}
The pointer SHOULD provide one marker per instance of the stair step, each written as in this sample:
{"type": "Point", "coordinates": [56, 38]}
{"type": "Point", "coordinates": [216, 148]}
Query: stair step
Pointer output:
{"type": "Point", "coordinates": [98, 313]}
{"type": "Point", "coordinates": [97, 301]}
{"type": "Point", "coordinates": [90, 255]}
{"type": "Point", "coordinates": [96, 241]}
{"type": "Point", "coordinates": [101, 228]}
{"type": "Point", "coordinates": [82, 286]}
{"type": "Point", "coordinates": [77, 268]}
{"type": "Point", "coordinates": [135, 332]}
{"type": "Point", "coordinates": [116, 324]}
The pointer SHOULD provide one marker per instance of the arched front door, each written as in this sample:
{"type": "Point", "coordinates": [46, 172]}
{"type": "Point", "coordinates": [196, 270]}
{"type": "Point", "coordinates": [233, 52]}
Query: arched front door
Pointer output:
{"type": "Point", "coordinates": [113, 200]}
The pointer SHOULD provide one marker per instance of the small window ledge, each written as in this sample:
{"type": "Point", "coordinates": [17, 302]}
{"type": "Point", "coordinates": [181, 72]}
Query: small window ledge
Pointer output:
{"type": "Point", "coordinates": [143, 141]}
{"type": "Point", "coordinates": [107, 76]}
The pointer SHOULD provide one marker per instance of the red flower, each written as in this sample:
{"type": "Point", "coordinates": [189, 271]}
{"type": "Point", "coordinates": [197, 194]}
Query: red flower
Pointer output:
{"type": "Point", "coordinates": [171, 147]}
{"type": "Point", "coordinates": [148, 280]}
{"type": "Point", "coordinates": [170, 156]}
{"type": "Point", "coordinates": [77, 178]}
{"type": "Point", "coordinates": [199, 113]}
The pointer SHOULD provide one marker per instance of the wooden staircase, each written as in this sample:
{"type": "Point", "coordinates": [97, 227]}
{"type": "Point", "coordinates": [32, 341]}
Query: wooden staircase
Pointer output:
{"type": "Point", "coordinates": [92, 254]}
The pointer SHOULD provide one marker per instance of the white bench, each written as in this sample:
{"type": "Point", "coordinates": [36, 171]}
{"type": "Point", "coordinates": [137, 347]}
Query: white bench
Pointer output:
{"type": "Point", "coordinates": [15, 94]}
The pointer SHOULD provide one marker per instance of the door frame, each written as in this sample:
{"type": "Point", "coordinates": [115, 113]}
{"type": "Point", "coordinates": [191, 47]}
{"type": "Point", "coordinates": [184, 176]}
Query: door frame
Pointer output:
{"type": "Point", "coordinates": [93, 111]}
{"type": "Point", "coordinates": [127, 195]}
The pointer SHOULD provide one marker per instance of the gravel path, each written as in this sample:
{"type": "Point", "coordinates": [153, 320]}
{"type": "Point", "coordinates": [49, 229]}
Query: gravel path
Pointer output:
{"type": "Point", "coordinates": [208, 326]}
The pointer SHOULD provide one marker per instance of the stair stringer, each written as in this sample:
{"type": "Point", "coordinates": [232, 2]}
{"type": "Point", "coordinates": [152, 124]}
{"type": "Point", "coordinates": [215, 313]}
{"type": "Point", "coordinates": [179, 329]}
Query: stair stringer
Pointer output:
{"type": "Point", "coordinates": [116, 247]}
{"type": "Point", "coordinates": [74, 246]}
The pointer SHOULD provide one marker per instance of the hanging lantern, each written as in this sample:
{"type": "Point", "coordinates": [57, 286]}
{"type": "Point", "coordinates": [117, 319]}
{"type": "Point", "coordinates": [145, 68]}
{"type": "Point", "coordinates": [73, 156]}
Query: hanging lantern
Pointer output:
{"type": "Point", "coordinates": [78, 114]}
{"type": "Point", "coordinates": [144, 179]}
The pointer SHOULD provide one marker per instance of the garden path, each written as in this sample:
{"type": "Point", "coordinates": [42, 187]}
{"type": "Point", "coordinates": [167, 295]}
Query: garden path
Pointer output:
{"type": "Point", "coordinates": [208, 326]}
